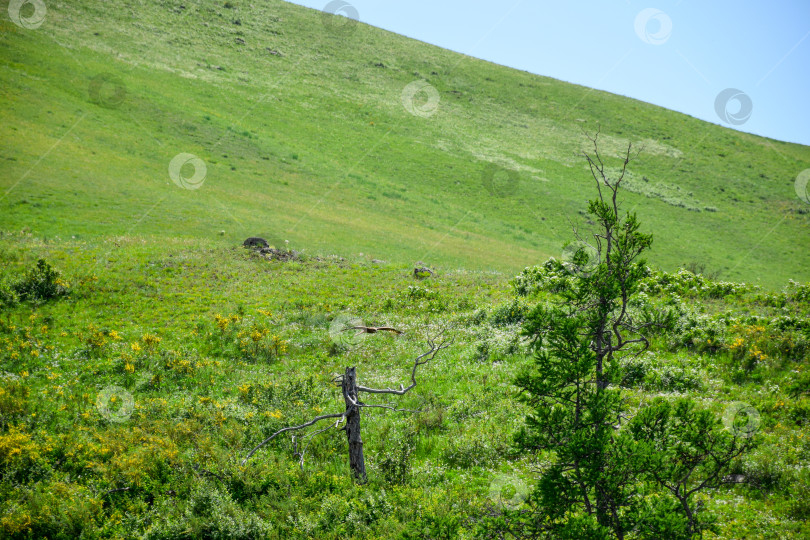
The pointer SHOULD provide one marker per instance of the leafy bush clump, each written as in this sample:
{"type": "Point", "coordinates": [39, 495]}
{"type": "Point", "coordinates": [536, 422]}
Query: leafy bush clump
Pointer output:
{"type": "Point", "coordinates": [685, 283]}
{"type": "Point", "coordinates": [672, 379]}
{"type": "Point", "coordinates": [659, 316]}
{"type": "Point", "coordinates": [472, 450]}
{"type": "Point", "coordinates": [8, 298]}
{"type": "Point", "coordinates": [794, 293]}
{"type": "Point", "coordinates": [395, 459]}
{"type": "Point", "coordinates": [210, 512]}
{"type": "Point", "coordinates": [512, 313]}
{"type": "Point", "coordinates": [551, 276]}
{"type": "Point", "coordinates": [700, 333]}
{"type": "Point", "coordinates": [57, 510]}
{"type": "Point", "coordinates": [247, 337]}
{"type": "Point", "coordinates": [41, 283]}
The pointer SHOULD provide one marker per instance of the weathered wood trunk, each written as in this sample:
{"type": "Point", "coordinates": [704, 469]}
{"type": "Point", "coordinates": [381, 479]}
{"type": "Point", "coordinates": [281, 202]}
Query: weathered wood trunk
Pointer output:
{"type": "Point", "coordinates": [356, 461]}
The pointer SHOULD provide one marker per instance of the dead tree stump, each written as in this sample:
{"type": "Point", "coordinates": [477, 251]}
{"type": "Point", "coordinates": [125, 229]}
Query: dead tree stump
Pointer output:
{"type": "Point", "coordinates": [351, 393]}
{"type": "Point", "coordinates": [356, 461]}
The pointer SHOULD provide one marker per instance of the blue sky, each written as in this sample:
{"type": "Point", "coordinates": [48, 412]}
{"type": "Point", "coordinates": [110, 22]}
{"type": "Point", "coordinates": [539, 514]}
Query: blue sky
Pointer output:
{"type": "Point", "coordinates": [685, 56]}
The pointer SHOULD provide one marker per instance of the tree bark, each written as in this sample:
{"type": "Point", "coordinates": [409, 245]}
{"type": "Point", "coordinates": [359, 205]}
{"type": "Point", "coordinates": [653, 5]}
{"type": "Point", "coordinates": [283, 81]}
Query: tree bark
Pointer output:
{"type": "Point", "coordinates": [356, 461]}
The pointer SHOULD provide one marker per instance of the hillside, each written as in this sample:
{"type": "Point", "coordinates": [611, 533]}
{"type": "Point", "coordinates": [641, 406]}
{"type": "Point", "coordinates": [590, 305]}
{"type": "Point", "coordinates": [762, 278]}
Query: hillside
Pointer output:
{"type": "Point", "coordinates": [144, 351]}
{"type": "Point", "coordinates": [129, 399]}
{"type": "Point", "coordinates": [304, 136]}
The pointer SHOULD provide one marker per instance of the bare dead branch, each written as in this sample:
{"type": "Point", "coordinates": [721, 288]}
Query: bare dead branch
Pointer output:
{"type": "Point", "coordinates": [310, 436]}
{"type": "Point", "coordinates": [420, 360]}
{"type": "Point", "coordinates": [389, 407]}
{"type": "Point", "coordinates": [291, 428]}
{"type": "Point", "coordinates": [374, 329]}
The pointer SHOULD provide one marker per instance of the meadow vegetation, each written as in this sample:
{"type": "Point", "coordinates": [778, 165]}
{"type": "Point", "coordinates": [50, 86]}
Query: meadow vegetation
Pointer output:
{"type": "Point", "coordinates": [144, 352]}
{"type": "Point", "coordinates": [129, 399]}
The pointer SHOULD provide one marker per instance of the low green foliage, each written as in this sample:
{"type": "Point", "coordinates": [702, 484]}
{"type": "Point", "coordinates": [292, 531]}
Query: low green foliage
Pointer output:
{"type": "Point", "coordinates": [38, 284]}
{"type": "Point", "coordinates": [200, 402]}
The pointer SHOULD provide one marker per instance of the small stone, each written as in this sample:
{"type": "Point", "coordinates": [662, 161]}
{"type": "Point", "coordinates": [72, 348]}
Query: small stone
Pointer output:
{"type": "Point", "coordinates": [255, 241]}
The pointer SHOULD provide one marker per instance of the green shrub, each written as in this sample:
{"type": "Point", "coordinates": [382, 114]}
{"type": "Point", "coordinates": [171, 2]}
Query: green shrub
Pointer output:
{"type": "Point", "coordinates": [13, 400]}
{"type": "Point", "coordinates": [672, 379]}
{"type": "Point", "coordinates": [418, 293]}
{"type": "Point", "coordinates": [394, 460]}
{"type": "Point", "coordinates": [8, 296]}
{"type": "Point", "coordinates": [473, 450]}
{"type": "Point", "coordinates": [630, 372]}
{"type": "Point", "coordinates": [799, 490]}
{"type": "Point", "coordinates": [685, 283]}
{"type": "Point", "coordinates": [551, 276]}
{"type": "Point", "coordinates": [56, 511]}
{"type": "Point", "coordinates": [512, 313]}
{"type": "Point", "coordinates": [209, 512]}
{"type": "Point", "coordinates": [41, 283]}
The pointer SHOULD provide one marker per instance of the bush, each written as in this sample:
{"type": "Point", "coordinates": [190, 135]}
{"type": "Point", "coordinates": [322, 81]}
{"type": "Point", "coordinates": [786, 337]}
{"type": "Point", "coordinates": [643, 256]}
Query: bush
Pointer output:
{"type": "Point", "coordinates": [685, 282]}
{"type": "Point", "coordinates": [210, 512]}
{"type": "Point", "coordinates": [41, 283]}
{"type": "Point", "coordinates": [512, 313]}
{"type": "Point", "coordinates": [8, 297]}
{"type": "Point", "coordinates": [699, 333]}
{"type": "Point", "coordinates": [56, 511]}
{"type": "Point", "coordinates": [13, 400]}
{"type": "Point", "coordinates": [551, 276]}
{"type": "Point", "coordinates": [630, 372]}
{"type": "Point", "coordinates": [250, 338]}
{"type": "Point", "coordinates": [672, 379]}
{"type": "Point", "coordinates": [473, 450]}
{"type": "Point", "coordinates": [395, 459]}
{"type": "Point", "coordinates": [799, 490]}
{"type": "Point", "coordinates": [659, 317]}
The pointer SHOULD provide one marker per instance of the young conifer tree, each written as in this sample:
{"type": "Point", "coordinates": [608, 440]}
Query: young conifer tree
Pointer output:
{"type": "Point", "coordinates": [610, 476]}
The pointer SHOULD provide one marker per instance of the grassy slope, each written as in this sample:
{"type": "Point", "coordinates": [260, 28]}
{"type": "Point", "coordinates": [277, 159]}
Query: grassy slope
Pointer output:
{"type": "Point", "coordinates": [314, 145]}
{"type": "Point", "coordinates": [199, 403]}
{"type": "Point", "coordinates": [408, 182]}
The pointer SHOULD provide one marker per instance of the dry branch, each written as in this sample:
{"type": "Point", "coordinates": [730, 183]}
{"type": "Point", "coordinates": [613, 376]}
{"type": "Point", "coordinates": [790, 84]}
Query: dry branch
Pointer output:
{"type": "Point", "coordinates": [351, 415]}
{"type": "Point", "coordinates": [291, 428]}
{"type": "Point", "coordinates": [420, 360]}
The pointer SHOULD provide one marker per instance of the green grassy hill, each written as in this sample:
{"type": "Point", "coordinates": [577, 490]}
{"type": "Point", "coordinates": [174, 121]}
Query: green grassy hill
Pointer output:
{"type": "Point", "coordinates": [304, 135]}
{"type": "Point", "coordinates": [136, 376]}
